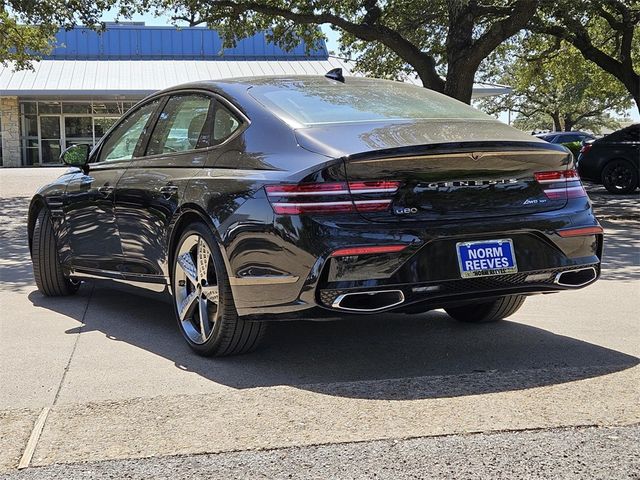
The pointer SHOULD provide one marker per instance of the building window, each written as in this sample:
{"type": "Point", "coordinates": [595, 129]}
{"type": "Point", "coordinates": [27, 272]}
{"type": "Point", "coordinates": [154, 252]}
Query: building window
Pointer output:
{"type": "Point", "coordinates": [49, 127]}
{"type": "Point", "coordinates": [29, 129]}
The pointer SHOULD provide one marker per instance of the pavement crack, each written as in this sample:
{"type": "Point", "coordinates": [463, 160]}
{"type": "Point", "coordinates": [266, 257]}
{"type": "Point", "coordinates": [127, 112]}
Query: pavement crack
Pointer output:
{"type": "Point", "coordinates": [73, 349]}
{"type": "Point", "coordinates": [38, 427]}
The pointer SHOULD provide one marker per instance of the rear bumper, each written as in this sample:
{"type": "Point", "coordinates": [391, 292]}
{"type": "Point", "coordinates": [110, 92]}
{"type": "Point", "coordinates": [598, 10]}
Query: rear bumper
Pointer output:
{"type": "Point", "coordinates": [426, 272]}
{"type": "Point", "coordinates": [431, 295]}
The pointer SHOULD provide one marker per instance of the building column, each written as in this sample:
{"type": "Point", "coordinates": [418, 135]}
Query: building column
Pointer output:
{"type": "Point", "coordinates": [10, 122]}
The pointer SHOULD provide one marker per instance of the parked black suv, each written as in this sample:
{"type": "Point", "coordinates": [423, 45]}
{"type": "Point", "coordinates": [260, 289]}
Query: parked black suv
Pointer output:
{"type": "Point", "coordinates": [613, 160]}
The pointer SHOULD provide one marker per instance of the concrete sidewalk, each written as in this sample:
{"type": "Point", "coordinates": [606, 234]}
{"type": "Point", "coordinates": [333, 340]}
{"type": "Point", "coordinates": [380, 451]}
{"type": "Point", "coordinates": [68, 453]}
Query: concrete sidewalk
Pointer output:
{"type": "Point", "coordinates": [118, 382]}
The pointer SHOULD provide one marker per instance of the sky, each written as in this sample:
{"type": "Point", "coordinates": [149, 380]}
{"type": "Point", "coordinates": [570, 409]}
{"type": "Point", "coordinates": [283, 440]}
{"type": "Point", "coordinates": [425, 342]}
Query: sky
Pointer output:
{"type": "Point", "coordinates": [333, 45]}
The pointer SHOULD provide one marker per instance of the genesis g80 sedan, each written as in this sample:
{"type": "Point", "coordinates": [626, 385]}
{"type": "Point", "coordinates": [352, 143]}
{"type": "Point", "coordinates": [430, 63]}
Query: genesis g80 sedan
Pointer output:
{"type": "Point", "coordinates": [281, 198]}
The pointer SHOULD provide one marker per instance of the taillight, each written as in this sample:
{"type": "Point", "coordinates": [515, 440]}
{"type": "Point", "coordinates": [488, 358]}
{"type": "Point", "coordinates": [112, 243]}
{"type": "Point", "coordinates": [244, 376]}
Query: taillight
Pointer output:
{"type": "Point", "coordinates": [561, 184]}
{"type": "Point", "coordinates": [586, 147]}
{"type": "Point", "coordinates": [335, 197]}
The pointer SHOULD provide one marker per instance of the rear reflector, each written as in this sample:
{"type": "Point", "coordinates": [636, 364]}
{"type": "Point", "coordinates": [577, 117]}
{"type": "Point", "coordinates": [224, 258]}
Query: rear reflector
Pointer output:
{"type": "Point", "coordinates": [332, 197]}
{"type": "Point", "coordinates": [578, 232]}
{"type": "Point", "coordinates": [561, 184]}
{"type": "Point", "coordinates": [343, 252]}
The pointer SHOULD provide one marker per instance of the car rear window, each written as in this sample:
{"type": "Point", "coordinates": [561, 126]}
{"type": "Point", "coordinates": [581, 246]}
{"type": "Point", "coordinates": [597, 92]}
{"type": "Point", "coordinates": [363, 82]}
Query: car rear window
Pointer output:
{"type": "Point", "coordinates": [332, 102]}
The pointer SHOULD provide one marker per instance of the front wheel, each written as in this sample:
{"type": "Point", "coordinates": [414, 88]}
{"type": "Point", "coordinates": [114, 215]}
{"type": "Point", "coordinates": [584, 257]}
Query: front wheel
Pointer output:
{"type": "Point", "coordinates": [203, 300]}
{"type": "Point", "coordinates": [483, 312]}
{"type": "Point", "coordinates": [620, 176]}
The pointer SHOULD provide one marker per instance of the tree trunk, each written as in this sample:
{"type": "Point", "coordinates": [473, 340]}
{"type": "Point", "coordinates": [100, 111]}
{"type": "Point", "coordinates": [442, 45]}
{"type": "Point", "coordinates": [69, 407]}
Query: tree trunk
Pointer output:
{"type": "Point", "coordinates": [557, 126]}
{"type": "Point", "coordinates": [459, 84]}
{"type": "Point", "coordinates": [632, 81]}
{"type": "Point", "coordinates": [425, 69]}
{"type": "Point", "coordinates": [568, 123]}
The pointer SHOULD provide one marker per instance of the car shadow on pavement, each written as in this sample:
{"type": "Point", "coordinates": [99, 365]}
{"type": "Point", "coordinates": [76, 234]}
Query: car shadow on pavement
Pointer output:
{"type": "Point", "coordinates": [421, 356]}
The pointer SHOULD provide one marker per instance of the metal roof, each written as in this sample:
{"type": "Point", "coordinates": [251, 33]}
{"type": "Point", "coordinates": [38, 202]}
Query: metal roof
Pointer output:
{"type": "Point", "coordinates": [97, 78]}
{"type": "Point", "coordinates": [139, 42]}
{"type": "Point", "coordinates": [136, 60]}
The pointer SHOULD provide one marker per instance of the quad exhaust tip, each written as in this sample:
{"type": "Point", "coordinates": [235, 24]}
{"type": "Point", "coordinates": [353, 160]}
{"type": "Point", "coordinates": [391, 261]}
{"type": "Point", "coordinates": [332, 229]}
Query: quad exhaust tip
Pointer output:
{"type": "Point", "coordinates": [576, 278]}
{"type": "Point", "coordinates": [368, 301]}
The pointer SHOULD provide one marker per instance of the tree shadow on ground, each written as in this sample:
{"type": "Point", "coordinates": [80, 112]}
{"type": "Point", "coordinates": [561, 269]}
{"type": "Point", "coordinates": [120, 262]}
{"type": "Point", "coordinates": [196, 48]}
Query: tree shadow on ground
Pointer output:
{"type": "Point", "coordinates": [422, 356]}
{"type": "Point", "coordinates": [621, 257]}
{"type": "Point", "coordinates": [15, 264]}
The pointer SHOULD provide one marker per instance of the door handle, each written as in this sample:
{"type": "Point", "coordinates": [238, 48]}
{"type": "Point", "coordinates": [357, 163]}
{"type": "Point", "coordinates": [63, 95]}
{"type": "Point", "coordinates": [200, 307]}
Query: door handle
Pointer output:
{"type": "Point", "coordinates": [169, 190]}
{"type": "Point", "coordinates": [106, 189]}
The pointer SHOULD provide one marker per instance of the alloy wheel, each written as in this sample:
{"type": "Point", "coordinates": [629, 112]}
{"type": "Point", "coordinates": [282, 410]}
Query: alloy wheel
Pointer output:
{"type": "Point", "coordinates": [620, 177]}
{"type": "Point", "coordinates": [196, 290]}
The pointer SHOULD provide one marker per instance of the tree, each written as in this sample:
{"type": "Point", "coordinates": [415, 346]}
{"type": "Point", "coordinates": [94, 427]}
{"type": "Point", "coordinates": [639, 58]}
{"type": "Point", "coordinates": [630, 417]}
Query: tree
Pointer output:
{"type": "Point", "coordinates": [433, 38]}
{"type": "Point", "coordinates": [18, 42]}
{"type": "Point", "coordinates": [605, 32]}
{"type": "Point", "coordinates": [28, 27]}
{"type": "Point", "coordinates": [553, 85]}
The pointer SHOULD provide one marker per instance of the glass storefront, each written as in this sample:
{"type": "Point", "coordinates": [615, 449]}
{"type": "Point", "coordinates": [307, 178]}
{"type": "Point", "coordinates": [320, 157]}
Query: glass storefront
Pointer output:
{"type": "Point", "coordinates": [48, 127]}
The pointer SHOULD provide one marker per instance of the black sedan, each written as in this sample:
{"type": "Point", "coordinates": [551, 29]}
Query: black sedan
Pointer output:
{"type": "Point", "coordinates": [613, 160]}
{"type": "Point", "coordinates": [272, 198]}
{"type": "Point", "coordinates": [565, 137]}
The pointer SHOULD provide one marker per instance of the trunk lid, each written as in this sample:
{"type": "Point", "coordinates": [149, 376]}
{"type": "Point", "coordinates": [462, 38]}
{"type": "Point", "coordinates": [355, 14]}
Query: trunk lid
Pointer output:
{"type": "Point", "coordinates": [480, 181]}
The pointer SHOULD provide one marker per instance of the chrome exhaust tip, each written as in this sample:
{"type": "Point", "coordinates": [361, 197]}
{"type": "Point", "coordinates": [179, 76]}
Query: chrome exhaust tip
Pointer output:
{"type": "Point", "coordinates": [368, 301]}
{"type": "Point", "coordinates": [576, 278]}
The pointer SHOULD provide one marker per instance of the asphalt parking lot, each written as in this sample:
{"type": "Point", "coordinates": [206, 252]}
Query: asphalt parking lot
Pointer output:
{"type": "Point", "coordinates": [553, 392]}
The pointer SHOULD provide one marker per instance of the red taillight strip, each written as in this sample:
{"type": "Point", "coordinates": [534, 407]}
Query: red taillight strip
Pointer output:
{"type": "Point", "coordinates": [568, 192]}
{"type": "Point", "coordinates": [577, 232]}
{"type": "Point", "coordinates": [340, 188]}
{"type": "Point", "coordinates": [382, 186]}
{"type": "Point", "coordinates": [312, 207]}
{"type": "Point", "coordinates": [292, 199]}
{"type": "Point", "coordinates": [307, 189]}
{"type": "Point", "coordinates": [566, 184]}
{"type": "Point", "coordinates": [556, 176]}
{"type": "Point", "coordinates": [331, 207]}
{"type": "Point", "coordinates": [343, 252]}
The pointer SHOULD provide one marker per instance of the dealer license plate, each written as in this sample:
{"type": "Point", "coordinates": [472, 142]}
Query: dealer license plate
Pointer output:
{"type": "Point", "coordinates": [486, 257]}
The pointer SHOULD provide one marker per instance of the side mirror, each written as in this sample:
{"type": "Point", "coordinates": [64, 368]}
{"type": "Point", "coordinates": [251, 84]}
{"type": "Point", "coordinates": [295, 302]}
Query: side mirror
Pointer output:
{"type": "Point", "coordinates": [76, 155]}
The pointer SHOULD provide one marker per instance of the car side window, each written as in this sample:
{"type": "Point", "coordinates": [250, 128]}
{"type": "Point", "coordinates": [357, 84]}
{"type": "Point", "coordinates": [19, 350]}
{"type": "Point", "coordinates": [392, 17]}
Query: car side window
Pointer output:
{"type": "Point", "coordinates": [183, 125]}
{"type": "Point", "coordinates": [224, 124]}
{"type": "Point", "coordinates": [122, 142]}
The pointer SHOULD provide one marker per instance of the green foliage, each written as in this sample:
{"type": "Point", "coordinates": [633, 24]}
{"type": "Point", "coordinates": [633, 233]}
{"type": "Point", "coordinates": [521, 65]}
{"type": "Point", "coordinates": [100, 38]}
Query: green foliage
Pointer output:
{"type": "Point", "coordinates": [574, 147]}
{"type": "Point", "coordinates": [554, 86]}
{"type": "Point", "coordinates": [445, 43]}
{"type": "Point", "coordinates": [20, 43]}
{"type": "Point", "coordinates": [605, 32]}
{"type": "Point", "coordinates": [28, 27]}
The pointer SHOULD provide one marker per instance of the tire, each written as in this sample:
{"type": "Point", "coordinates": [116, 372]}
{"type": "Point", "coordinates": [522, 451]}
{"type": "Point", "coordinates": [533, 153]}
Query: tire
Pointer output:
{"type": "Point", "coordinates": [47, 270]}
{"type": "Point", "coordinates": [484, 312]}
{"type": "Point", "coordinates": [620, 176]}
{"type": "Point", "coordinates": [201, 289]}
